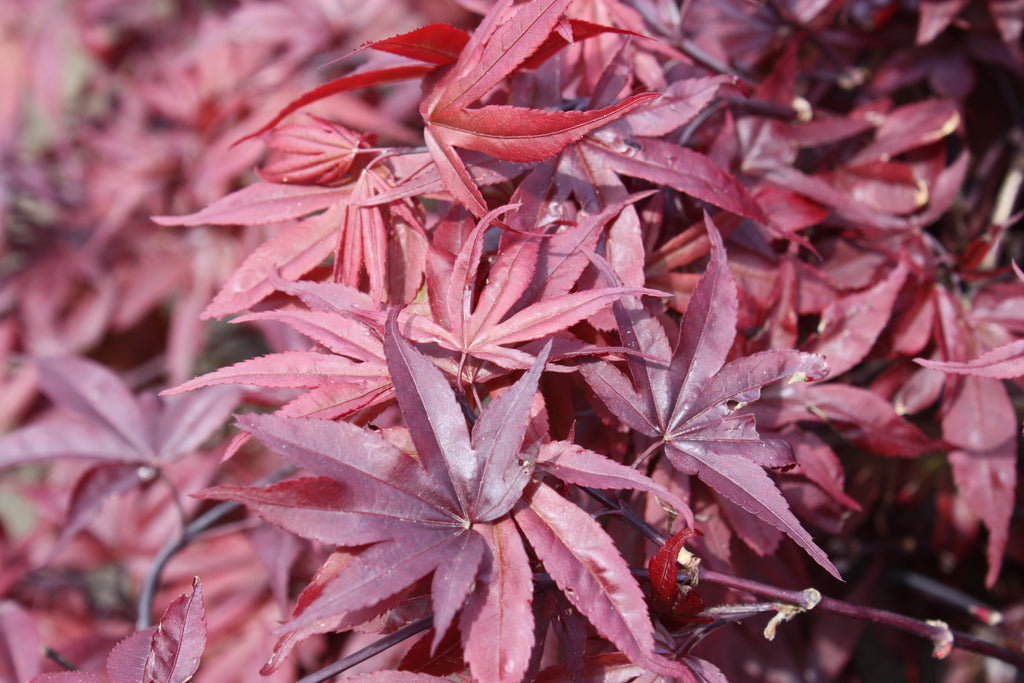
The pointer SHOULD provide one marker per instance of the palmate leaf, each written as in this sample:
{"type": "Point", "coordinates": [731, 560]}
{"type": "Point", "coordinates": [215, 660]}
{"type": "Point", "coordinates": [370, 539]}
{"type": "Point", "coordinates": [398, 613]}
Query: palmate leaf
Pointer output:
{"type": "Point", "coordinates": [127, 438]}
{"type": "Point", "coordinates": [500, 318]}
{"type": "Point", "coordinates": [686, 399]}
{"type": "Point", "coordinates": [446, 511]}
{"type": "Point", "coordinates": [427, 515]}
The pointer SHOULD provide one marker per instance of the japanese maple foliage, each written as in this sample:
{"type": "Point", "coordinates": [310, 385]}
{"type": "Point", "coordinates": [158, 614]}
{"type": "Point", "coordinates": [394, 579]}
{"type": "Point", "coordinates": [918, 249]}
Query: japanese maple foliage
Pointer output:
{"type": "Point", "coordinates": [571, 340]}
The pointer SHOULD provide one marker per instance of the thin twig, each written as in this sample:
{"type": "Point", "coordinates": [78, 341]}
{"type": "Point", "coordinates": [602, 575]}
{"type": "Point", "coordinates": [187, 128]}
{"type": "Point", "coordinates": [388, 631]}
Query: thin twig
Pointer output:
{"type": "Point", "coordinates": [201, 523]}
{"type": "Point", "coordinates": [370, 650]}
{"type": "Point", "coordinates": [943, 638]}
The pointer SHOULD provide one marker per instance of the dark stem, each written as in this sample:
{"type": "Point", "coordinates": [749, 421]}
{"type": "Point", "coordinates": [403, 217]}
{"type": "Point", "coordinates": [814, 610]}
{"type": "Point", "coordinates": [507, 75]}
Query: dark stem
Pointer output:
{"type": "Point", "coordinates": [370, 650]}
{"type": "Point", "coordinates": [191, 530]}
{"type": "Point", "coordinates": [942, 637]}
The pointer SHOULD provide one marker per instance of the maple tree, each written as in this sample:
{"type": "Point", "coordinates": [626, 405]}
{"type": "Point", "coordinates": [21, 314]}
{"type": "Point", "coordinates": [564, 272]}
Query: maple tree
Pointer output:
{"type": "Point", "coordinates": [570, 340]}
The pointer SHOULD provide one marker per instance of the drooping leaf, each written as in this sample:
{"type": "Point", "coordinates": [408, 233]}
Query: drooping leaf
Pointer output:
{"type": "Point", "coordinates": [352, 81]}
{"type": "Point", "coordinates": [1003, 362]}
{"type": "Point", "coordinates": [591, 573]}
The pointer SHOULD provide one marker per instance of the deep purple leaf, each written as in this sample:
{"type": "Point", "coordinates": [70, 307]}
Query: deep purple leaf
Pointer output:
{"type": "Point", "coordinates": [497, 441]}
{"type": "Point", "coordinates": [379, 572]}
{"type": "Point", "coordinates": [436, 423]}
{"type": "Point", "coordinates": [735, 475]}
{"type": "Point", "coordinates": [93, 489]}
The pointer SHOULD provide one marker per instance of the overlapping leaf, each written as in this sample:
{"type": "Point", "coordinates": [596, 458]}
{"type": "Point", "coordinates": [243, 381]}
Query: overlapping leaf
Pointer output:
{"type": "Point", "coordinates": [127, 437]}
{"type": "Point", "coordinates": [490, 328]}
{"type": "Point", "coordinates": [446, 511]}
{"type": "Point", "coordinates": [682, 398]}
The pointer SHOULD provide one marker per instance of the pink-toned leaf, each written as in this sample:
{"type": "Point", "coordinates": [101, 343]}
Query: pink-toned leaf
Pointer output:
{"type": "Point", "coordinates": [497, 621]}
{"type": "Point", "coordinates": [576, 465]}
{"type": "Point", "coordinates": [678, 105]}
{"type": "Point", "coordinates": [319, 154]}
{"type": "Point", "coordinates": [586, 566]}
{"type": "Point", "coordinates": [90, 390]}
{"type": "Point", "coordinates": [92, 490]}
{"type": "Point", "coordinates": [337, 331]}
{"type": "Point", "coordinates": [553, 315]}
{"type": "Point", "coordinates": [522, 134]}
{"type": "Point", "coordinates": [63, 438]}
{"type": "Point", "coordinates": [126, 662]}
{"type": "Point", "coordinates": [293, 252]}
{"type": "Point", "coordinates": [454, 175]}
{"type": "Point", "coordinates": [1003, 362]}
{"type": "Point", "coordinates": [935, 16]}
{"type": "Point", "coordinates": [185, 423]}
{"type": "Point", "coordinates": [262, 203]}
{"type": "Point", "coordinates": [20, 643]}
{"type": "Point", "coordinates": [69, 677]}
{"type": "Point", "coordinates": [291, 369]}
{"type": "Point", "coordinates": [179, 640]}
{"type": "Point", "coordinates": [396, 677]}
